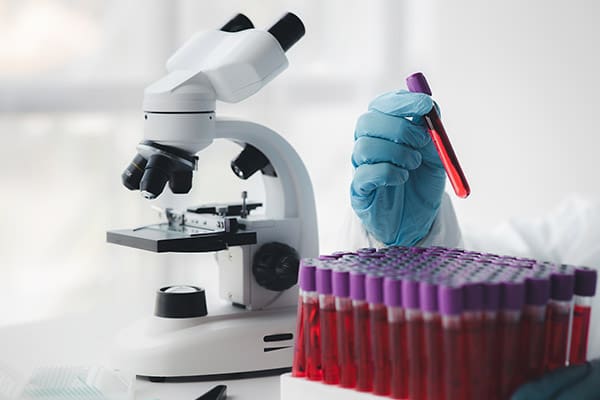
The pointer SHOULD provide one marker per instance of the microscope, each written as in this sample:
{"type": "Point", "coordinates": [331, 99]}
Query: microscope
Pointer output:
{"type": "Point", "coordinates": [252, 331]}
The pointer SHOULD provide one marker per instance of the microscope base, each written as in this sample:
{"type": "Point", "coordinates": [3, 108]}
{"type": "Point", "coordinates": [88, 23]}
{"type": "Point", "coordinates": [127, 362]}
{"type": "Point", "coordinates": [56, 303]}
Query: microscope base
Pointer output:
{"type": "Point", "coordinates": [229, 344]}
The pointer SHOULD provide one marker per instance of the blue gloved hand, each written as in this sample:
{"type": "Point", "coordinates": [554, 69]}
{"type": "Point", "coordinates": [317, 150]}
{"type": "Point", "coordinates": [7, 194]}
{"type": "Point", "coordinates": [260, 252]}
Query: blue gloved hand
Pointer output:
{"type": "Point", "coordinates": [579, 382]}
{"type": "Point", "coordinates": [399, 179]}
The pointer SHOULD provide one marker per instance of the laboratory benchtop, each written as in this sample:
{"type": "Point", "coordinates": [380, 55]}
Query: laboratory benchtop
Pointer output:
{"type": "Point", "coordinates": [83, 338]}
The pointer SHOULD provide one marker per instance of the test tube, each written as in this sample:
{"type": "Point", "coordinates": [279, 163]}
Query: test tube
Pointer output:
{"type": "Point", "coordinates": [451, 306]}
{"type": "Point", "coordinates": [432, 332]}
{"type": "Point", "coordinates": [312, 328]}
{"type": "Point", "coordinates": [345, 328]}
{"type": "Point", "coordinates": [512, 301]}
{"type": "Point", "coordinates": [299, 362]}
{"type": "Point", "coordinates": [414, 339]}
{"type": "Point", "coordinates": [327, 319]}
{"type": "Point", "coordinates": [362, 332]}
{"type": "Point", "coordinates": [557, 319]}
{"type": "Point", "coordinates": [491, 338]}
{"type": "Point", "coordinates": [534, 318]}
{"type": "Point", "coordinates": [392, 293]}
{"type": "Point", "coordinates": [585, 288]}
{"type": "Point", "coordinates": [473, 330]}
{"type": "Point", "coordinates": [379, 334]}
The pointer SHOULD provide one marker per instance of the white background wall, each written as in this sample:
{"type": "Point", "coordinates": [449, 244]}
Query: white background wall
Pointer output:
{"type": "Point", "coordinates": [516, 81]}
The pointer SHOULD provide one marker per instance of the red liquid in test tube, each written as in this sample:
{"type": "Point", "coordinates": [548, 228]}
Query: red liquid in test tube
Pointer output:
{"type": "Point", "coordinates": [451, 299]}
{"type": "Point", "coordinates": [299, 363]}
{"type": "Point", "coordinates": [312, 327]}
{"type": "Point", "coordinates": [380, 345]}
{"type": "Point", "coordinates": [362, 333]}
{"type": "Point", "coordinates": [392, 294]}
{"type": "Point", "coordinates": [433, 341]}
{"type": "Point", "coordinates": [512, 300]}
{"type": "Point", "coordinates": [345, 328]}
{"type": "Point", "coordinates": [473, 331]}
{"type": "Point", "coordinates": [557, 319]}
{"type": "Point", "coordinates": [491, 341]}
{"type": "Point", "coordinates": [585, 289]}
{"type": "Point", "coordinates": [327, 317]}
{"type": "Point", "coordinates": [414, 340]}
{"type": "Point", "coordinates": [533, 335]}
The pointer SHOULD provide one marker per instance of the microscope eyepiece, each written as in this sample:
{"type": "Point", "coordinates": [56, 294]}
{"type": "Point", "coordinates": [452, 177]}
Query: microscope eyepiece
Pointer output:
{"type": "Point", "coordinates": [133, 173]}
{"type": "Point", "coordinates": [238, 23]}
{"type": "Point", "coordinates": [288, 30]}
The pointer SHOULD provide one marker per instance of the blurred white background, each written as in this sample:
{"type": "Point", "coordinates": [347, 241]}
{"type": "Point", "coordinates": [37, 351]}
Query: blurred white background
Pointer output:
{"type": "Point", "coordinates": [517, 83]}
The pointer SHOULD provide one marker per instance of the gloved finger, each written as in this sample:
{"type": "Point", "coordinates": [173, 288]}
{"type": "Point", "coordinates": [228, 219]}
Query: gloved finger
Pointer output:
{"type": "Point", "coordinates": [394, 129]}
{"type": "Point", "coordinates": [587, 388]}
{"type": "Point", "coordinates": [402, 103]}
{"type": "Point", "coordinates": [550, 385]}
{"type": "Point", "coordinates": [369, 177]}
{"type": "Point", "coordinates": [368, 150]}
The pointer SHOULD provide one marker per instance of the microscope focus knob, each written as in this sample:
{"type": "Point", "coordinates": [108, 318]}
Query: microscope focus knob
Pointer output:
{"type": "Point", "coordinates": [275, 266]}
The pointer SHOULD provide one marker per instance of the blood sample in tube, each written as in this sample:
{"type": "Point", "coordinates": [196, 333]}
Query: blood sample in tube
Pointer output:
{"type": "Point", "coordinates": [585, 288]}
{"type": "Point", "coordinates": [327, 316]}
{"type": "Point", "coordinates": [397, 332]}
{"type": "Point", "coordinates": [414, 339]}
{"type": "Point", "coordinates": [362, 333]}
{"type": "Point", "coordinates": [451, 307]}
{"type": "Point", "coordinates": [345, 328]}
{"type": "Point", "coordinates": [557, 320]}
{"type": "Point", "coordinates": [380, 346]}
{"type": "Point", "coordinates": [312, 328]}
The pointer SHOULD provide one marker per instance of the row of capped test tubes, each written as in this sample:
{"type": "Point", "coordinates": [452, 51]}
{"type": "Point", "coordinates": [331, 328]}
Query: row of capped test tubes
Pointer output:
{"type": "Point", "coordinates": [437, 323]}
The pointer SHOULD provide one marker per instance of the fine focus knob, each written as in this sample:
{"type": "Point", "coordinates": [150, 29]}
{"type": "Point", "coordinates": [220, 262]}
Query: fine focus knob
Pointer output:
{"type": "Point", "coordinates": [275, 266]}
{"type": "Point", "coordinates": [181, 301]}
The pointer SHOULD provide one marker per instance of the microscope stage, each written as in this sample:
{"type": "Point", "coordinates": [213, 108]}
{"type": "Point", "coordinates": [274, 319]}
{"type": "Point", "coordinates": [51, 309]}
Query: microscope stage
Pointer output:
{"type": "Point", "coordinates": [161, 238]}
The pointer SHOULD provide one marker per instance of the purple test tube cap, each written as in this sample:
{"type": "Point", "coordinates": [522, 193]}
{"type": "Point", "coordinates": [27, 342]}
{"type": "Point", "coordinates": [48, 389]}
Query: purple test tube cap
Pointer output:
{"type": "Point", "coordinates": [410, 293]}
{"type": "Point", "coordinates": [374, 288]}
{"type": "Point", "coordinates": [324, 280]}
{"type": "Point", "coordinates": [418, 84]}
{"type": "Point", "coordinates": [307, 278]}
{"type": "Point", "coordinates": [537, 291]}
{"type": "Point", "coordinates": [340, 283]}
{"type": "Point", "coordinates": [585, 281]}
{"type": "Point", "coordinates": [562, 286]}
{"type": "Point", "coordinates": [428, 296]}
{"type": "Point", "coordinates": [513, 295]}
{"type": "Point", "coordinates": [357, 285]}
{"type": "Point", "coordinates": [473, 296]}
{"type": "Point", "coordinates": [392, 292]}
{"type": "Point", "coordinates": [491, 296]}
{"type": "Point", "coordinates": [451, 300]}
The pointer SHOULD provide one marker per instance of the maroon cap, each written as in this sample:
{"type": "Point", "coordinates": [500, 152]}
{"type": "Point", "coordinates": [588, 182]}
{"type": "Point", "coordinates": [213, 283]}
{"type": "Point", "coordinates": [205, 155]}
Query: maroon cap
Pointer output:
{"type": "Point", "coordinates": [340, 283]}
{"type": "Point", "coordinates": [392, 291]}
{"type": "Point", "coordinates": [585, 281]}
{"type": "Point", "coordinates": [374, 288]}
{"type": "Point", "coordinates": [428, 296]}
{"type": "Point", "coordinates": [410, 293]}
{"type": "Point", "coordinates": [451, 299]}
{"type": "Point", "coordinates": [512, 295]}
{"type": "Point", "coordinates": [357, 285]}
{"type": "Point", "coordinates": [324, 280]}
{"type": "Point", "coordinates": [562, 286]}
{"type": "Point", "coordinates": [537, 290]}
{"type": "Point", "coordinates": [307, 278]}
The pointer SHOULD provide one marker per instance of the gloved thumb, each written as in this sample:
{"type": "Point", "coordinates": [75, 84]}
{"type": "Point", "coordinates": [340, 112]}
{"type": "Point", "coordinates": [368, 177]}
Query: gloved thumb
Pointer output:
{"type": "Point", "coordinates": [551, 384]}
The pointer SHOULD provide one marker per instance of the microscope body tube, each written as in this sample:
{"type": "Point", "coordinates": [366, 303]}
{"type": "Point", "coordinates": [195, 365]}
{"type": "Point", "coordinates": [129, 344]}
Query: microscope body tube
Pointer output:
{"type": "Point", "coordinates": [585, 289]}
{"type": "Point", "coordinates": [491, 340]}
{"type": "Point", "coordinates": [380, 345]}
{"type": "Point", "coordinates": [557, 324]}
{"type": "Point", "coordinates": [362, 332]}
{"type": "Point", "coordinates": [392, 293]}
{"type": "Point", "coordinates": [512, 302]}
{"type": "Point", "coordinates": [311, 324]}
{"type": "Point", "coordinates": [344, 327]}
{"type": "Point", "coordinates": [327, 319]}
{"type": "Point", "coordinates": [534, 323]}
{"type": "Point", "coordinates": [473, 331]}
{"type": "Point", "coordinates": [432, 330]}
{"type": "Point", "coordinates": [451, 307]}
{"type": "Point", "coordinates": [414, 339]}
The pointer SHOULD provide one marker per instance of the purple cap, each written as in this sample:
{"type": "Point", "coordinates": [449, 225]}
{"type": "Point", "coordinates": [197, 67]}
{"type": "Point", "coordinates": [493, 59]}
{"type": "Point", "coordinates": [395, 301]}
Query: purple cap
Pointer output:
{"type": "Point", "coordinates": [473, 296]}
{"type": "Point", "coordinates": [324, 280]}
{"type": "Point", "coordinates": [357, 285]}
{"type": "Point", "coordinates": [410, 293]}
{"type": "Point", "coordinates": [491, 296]}
{"type": "Point", "coordinates": [307, 278]}
{"type": "Point", "coordinates": [392, 292]}
{"type": "Point", "coordinates": [428, 296]}
{"type": "Point", "coordinates": [366, 250]}
{"type": "Point", "coordinates": [374, 288]}
{"type": "Point", "coordinates": [512, 295]}
{"type": "Point", "coordinates": [326, 257]}
{"type": "Point", "coordinates": [561, 286]}
{"type": "Point", "coordinates": [585, 281]}
{"type": "Point", "coordinates": [537, 291]}
{"type": "Point", "coordinates": [451, 300]}
{"type": "Point", "coordinates": [341, 283]}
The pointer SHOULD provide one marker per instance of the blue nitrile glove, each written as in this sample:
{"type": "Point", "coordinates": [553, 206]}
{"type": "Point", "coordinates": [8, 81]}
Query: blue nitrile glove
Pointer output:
{"type": "Point", "coordinates": [578, 382]}
{"type": "Point", "coordinates": [399, 179]}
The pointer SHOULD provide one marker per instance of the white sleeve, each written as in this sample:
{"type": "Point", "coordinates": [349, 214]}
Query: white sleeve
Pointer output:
{"type": "Point", "coordinates": [569, 234]}
{"type": "Point", "coordinates": [444, 231]}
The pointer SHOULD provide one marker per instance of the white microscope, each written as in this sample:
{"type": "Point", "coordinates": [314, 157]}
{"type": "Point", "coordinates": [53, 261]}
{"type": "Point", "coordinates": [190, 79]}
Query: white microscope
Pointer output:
{"type": "Point", "coordinates": [257, 255]}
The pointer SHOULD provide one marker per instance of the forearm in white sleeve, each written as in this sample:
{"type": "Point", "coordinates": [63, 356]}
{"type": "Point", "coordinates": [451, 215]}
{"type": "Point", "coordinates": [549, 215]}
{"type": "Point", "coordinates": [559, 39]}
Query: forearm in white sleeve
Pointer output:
{"type": "Point", "coordinates": [445, 230]}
